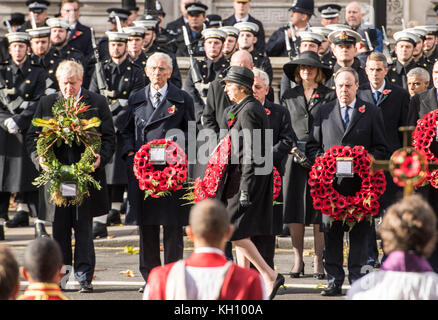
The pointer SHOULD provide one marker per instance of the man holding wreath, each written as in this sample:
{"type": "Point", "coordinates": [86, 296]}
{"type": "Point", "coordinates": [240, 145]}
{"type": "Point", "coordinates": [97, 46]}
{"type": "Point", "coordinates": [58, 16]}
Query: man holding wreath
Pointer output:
{"type": "Point", "coordinates": [79, 217]}
{"type": "Point", "coordinates": [346, 121]}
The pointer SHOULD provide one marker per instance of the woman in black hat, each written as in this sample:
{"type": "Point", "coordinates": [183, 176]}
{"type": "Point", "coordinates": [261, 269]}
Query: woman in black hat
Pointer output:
{"type": "Point", "coordinates": [247, 188]}
{"type": "Point", "coordinates": [303, 102]}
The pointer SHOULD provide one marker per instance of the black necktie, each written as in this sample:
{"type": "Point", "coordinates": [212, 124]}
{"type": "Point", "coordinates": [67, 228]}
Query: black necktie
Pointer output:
{"type": "Point", "coordinates": [377, 96]}
{"type": "Point", "coordinates": [346, 117]}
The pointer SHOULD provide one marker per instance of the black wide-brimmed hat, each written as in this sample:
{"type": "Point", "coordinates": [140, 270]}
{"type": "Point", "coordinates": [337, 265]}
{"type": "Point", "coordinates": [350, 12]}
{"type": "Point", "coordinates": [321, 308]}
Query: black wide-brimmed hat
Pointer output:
{"type": "Point", "coordinates": [307, 58]}
{"type": "Point", "coordinates": [240, 75]}
{"type": "Point", "coordinates": [17, 19]}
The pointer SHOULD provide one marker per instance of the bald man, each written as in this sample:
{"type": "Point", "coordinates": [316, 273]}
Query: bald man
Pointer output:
{"type": "Point", "coordinates": [206, 274]}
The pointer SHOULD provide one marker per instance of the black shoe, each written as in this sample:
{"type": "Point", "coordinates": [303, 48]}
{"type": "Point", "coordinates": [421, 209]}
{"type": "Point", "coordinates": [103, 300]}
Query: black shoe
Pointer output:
{"type": "Point", "coordinates": [2, 232]}
{"type": "Point", "coordinates": [297, 274]}
{"type": "Point", "coordinates": [124, 206]}
{"type": "Point", "coordinates": [40, 231]}
{"type": "Point", "coordinates": [332, 290]}
{"type": "Point", "coordinates": [99, 230]}
{"type": "Point", "coordinates": [277, 284]}
{"type": "Point", "coordinates": [21, 219]}
{"type": "Point", "coordinates": [86, 287]}
{"type": "Point", "coordinates": [113, 217]}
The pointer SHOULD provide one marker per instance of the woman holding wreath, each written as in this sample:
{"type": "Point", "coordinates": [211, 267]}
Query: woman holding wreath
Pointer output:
{"type": "Point", "coordinates": [303, 102]}
{"type": "Point", "coordinates": [70, 75]}
{"type": "Point", "coordinates": [248, 186]}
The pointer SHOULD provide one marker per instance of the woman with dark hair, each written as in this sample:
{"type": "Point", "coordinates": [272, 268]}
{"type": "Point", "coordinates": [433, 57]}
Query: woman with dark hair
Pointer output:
{"type": "Point", "coordinates": [248, 186]}
{"type": "Point", "coordinates": [303, 102]}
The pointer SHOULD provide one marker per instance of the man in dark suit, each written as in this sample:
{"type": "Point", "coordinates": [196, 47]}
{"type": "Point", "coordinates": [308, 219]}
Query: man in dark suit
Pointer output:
{"type": "Point", "coordinates": [79, 218]}
{"type": "Point", "coordinates": [174, 28]}
{"type": "Point", "coordinates": [152, 112]}
{"type": "Point", "coordinates": [341, 123]}
{"type": "Point", "coordinates": [79, 35]}
{"type": "Point", "coordinates": [241, 14]}
{"type": "Point", "coordinates": [420, 105]}
{"type": "Point", "coordinates": [393, 101]}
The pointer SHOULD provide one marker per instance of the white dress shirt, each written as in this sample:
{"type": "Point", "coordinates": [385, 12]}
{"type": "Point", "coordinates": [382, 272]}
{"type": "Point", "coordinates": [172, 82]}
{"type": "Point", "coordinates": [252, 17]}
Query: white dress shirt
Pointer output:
{"type": "Point", "coordinates": [162, 91]}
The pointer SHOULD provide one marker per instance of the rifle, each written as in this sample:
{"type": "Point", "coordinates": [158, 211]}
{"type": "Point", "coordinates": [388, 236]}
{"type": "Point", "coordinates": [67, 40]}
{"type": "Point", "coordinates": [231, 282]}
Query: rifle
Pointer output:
{"type": "Point", "coordinates": [288, 46]}
{"type": "Point", "coordinates": [194, 66]}
{"type": "Point", "coordinates": [386, 47]}
{"type": "Point", "coordinates": [294, 39]}
{"type": "Point", "coordinates": [100, 76]}
{"type": "Point", "coordinates": [370, 45]}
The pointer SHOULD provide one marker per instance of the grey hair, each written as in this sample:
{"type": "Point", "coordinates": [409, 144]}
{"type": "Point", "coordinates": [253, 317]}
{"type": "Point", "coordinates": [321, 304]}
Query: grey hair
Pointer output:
{"type": "Point", "coordinates": [261, 74]}
{"type": "Point", "coordinates": [420, 72]}
{"type": "Point", "coordinates": [160, 56]}
{"type": "Point", "coordinates": [347, 69]}
{"type": "Point", "coordinates": [69, 69]}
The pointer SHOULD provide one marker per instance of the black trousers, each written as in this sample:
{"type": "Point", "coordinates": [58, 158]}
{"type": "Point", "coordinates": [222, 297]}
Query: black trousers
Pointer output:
{"type": "Point", "coordinates": [115, 192]}
{"type": "Point", "coordinates": [30, 198]}
{"type": "Point", "coordinates": [334, 254]}
{"type": "Point", "coordinates": [67, 219]}
{"type": "Point", "coordinates": [150, 246]}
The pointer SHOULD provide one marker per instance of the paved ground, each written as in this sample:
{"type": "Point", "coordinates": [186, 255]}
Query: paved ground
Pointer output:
{"type": "Point", "coordinates": [117, 276]}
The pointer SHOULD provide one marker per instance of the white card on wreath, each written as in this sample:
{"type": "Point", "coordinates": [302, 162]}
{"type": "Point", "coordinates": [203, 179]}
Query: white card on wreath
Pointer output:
{"type": "Point", "coordinates": [68, 189]}
{"type": "Point", "coordinates": [344, 167]}
{"type": "Point", "coordinates": [157, 155]}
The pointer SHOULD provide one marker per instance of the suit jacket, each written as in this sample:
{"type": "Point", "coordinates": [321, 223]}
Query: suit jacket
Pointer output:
{"type": "Point", "coordinates": [80, 39]}
{"type": "Point", "coordinates": [217, 101]}
{"type": "Point", "coordinates": [421, 104]}
{"type": "Point", "coordinates": [239, 283]}
{"type": "Point", "coordinates": [97, 203]}
{"type": "Point", "coordinates": [260, 44]}
{"type": "Point", "coordinates": [394, 107]}
{"type": "Point", "coordinates": [144, 123]}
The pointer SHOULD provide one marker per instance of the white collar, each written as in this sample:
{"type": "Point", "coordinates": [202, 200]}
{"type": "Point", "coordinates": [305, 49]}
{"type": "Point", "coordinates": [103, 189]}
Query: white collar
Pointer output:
{"type": "Point", "coordinates": [243, 19]}
{"type": "Point", "coordinates": [380, 89]}
{"type": "Point", "coordinates": [163, 91]}
{"type": "Point", "coordinates": [209, 250]}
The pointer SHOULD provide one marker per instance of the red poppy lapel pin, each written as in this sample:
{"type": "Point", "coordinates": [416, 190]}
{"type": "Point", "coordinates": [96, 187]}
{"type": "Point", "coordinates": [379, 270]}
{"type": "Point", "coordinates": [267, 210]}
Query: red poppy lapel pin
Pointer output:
{"type": "Point", "coordinates": [268, 112]}
{"type": "Point", "coordinates": [386, 92]}
{"type": "Point", "coordinates": [232, 119]}
{"type": "Point", "coordinates": [362, 109]}
{"type": "Point", "coordinates": [77, 34]}
{"type": "Point", "coordinates": [171, 110]}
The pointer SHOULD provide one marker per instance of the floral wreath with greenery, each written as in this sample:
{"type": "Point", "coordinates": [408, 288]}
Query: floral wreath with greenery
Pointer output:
{"type": "Point", "coordinates": [68, 127]}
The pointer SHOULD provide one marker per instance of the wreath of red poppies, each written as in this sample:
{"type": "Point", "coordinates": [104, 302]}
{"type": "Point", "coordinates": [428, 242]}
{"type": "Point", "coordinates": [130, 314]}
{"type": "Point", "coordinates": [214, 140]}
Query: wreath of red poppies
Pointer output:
{"type": "Point", "coordinates": [155, 182]}
{"type": "Point", "coordinates": [425, 132]}
{"type": "Point", "coordinates": [207, 186]}
{"type": "Point", "coordinates": [350, 209]}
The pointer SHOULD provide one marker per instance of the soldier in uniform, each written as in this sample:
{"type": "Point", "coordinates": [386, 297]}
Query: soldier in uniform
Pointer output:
{"type": "Point", "coordinates": [174, 28]}
{"type": "Point", "coordinates": [329, 14]}
{"type": "Point", "coordinates": [300, 14]}
{"type": "Point", "coordinates": [17, 19]}
{"type": "Point", "coordinates": [344, 48]}
{"type": "Point", "coordinates": [39, 10]}
{"type": "Point", "coordinates": [196, 18]}
{"type": "Point", "coordinates": [122, 78]}
{"type": "Point", "coordinates": [241, 14]}
{"type": "Point", "coordinates": [325, 52]}
{"type": "Point", "coordinates": [25, 83]}
{"type": "Point", "coordinates": [365, 48]}
{"type": "Point", "coordinates": [430, 46]}
{"type": "Point", "coordinates": [211, 68]}
{"type": "Point", "coordinates": [404, 50]}
{"type": "Point", "coordinates": [230, 44]}
{"type": "Point", "coordinates": [123, 15]}
{"type": "Point", "coordinates": [140, 54]}
{"type": "Point", "coordinates": [419, 56]}
{"type": "Point", "coordinates": [248, 34]}
{"type": "Point", "coordinates": [79, 35]}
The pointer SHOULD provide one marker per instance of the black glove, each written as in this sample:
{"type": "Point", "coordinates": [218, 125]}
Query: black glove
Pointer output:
{"type": "Point", "coordinates": [244, 199]}
{"type": "Point", "coordinates": [301, 158]}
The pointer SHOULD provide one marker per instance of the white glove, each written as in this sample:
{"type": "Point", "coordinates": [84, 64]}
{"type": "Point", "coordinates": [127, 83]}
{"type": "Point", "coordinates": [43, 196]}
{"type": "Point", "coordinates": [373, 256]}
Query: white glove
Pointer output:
{"type": "Point", "coordinates": [11, 125]}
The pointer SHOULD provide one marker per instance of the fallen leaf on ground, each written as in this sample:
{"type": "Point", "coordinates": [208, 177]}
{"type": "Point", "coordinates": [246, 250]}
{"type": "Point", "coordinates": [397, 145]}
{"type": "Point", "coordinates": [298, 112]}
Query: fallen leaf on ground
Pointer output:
{"type": "Point", "coordinates": [131, 250]}
{"type": "Point", "coordinates": [128, 273]}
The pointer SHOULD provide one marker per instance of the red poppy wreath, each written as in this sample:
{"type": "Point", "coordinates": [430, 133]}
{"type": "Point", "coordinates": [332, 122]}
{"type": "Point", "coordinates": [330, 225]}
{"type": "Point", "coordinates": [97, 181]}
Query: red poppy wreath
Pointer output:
{"type": "Point", "coordinates": [424, 134]}
{"type": "Point", "coordinates": [349, 209]}
{"type": "Point", "coordinates": [160, 152]}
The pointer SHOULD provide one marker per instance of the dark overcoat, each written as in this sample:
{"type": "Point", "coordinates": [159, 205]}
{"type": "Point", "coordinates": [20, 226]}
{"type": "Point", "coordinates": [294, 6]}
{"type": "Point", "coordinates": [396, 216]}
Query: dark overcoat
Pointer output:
{"type": "Point", "coordinates": [97, 203]}
{"type": "Point", "coordinates": [80, 39]}
{"type": "Point", "coordinates": [29, 83]}
{"type": "Point", "coordinates": [297, 203]}
{"type": "Point", "coordinates": [143, 125]}
{"type": "Point", "coordinates": [217, 102]}
{"type": "Point", "coordinates": [257, 218]}
{"type": "Point", "coordinates": [366, 129]}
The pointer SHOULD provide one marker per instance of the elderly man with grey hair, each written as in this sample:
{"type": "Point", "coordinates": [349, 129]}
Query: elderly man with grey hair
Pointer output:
{"type": "Point", "coordinates": [80, 218]}
{"type": "Point", "coordinates": [341, 123]}
{"type": "Point", "coordinates": [418, 80]}
{"type": "Point", "coordinates": [156, 112]}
